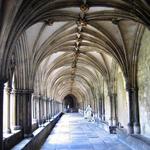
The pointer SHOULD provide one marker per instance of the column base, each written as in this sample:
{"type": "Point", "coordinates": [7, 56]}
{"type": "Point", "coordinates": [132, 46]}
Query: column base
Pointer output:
{"type": "Point", "coordinates": [110, 122]}
{"type": "Point", "coordinates": [137, 128]}
{"type": "Point", "coordinates": [114, 122]}
{"type": "Point", "coordinates": [130, 129]}
{"type": "Point", "coordinates": [48, 120]}
{"type": "Point", "coordinates": [28, 135]}
{"type": "Point", "coordinates": [8, 131]}
{"type": "Point", "coordinates": [17, 127]}
{"type": "Point", "coordinates": [43, 125]}
{"type": "Point", "coordinates": [103, 117]}
{"type": "Point", "coordinates": [39, 123]}
{"type": "Point", "coordinates": [112, 129]}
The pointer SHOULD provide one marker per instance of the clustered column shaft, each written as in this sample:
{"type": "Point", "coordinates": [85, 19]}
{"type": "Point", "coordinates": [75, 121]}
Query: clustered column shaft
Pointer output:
{"type": "Point", "coordinates": [134, 124]}
{"type": "Point", "coordinates": [1, 113]}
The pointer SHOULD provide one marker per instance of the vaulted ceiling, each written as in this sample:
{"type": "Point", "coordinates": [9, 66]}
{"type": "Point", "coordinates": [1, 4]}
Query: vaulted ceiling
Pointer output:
{"type": "Point", "coordinates": [68, 47]}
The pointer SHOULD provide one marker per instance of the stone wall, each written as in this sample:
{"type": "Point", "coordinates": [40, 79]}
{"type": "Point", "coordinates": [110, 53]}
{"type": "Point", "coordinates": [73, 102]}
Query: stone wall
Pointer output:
{"type": "Point", "coordinates": [107, 104]}
{"type": "Point", "coordinates": [12, 140]}
{"type": "Point", "coordinates": [144, 83]}
{"type": "Point", "coordinates": [122, 100]}
{"type": "Point", "coordinates": [39, 137]}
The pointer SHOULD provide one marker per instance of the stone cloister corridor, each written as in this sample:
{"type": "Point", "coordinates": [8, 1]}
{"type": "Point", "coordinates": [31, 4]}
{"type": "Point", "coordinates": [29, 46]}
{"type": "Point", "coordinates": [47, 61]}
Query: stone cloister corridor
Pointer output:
{"type": "Point", "coordinates": [57, 57]}
{"type": "Point", "coordinates": [73, 132]}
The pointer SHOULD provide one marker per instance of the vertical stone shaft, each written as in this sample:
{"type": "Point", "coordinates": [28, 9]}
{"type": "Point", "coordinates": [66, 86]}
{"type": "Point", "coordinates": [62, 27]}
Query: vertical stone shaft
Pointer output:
{"type": "Point", "coordinates": [26, 113]}
{"type": "Point", "coordinates": [136, 124]}
{"type": "Point", "coordinates": [8, 89]}
{"type": "Point", "coordinates": [131, 111]}
{"type": "Point", "coordinates": [1, 114]}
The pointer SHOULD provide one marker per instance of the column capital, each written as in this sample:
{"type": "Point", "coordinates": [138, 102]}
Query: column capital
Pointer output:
{"type": "Point", "coordinates": [49, 99]}
{"type": "Point", "coordinates": [131, 89]}
{"type": "Point", "coordinates": [44, 98]}
{"type": "Point", "coordinates": [20, 91]}
{"type": "Point", "coordinates": [27, 91]}
{"type": "Point", "coordinates": [114, 94]}
{"type": "Point", "coordinates": [130, 128]}
{"type": "Point", "coordinates": [1, 85]}
{"type": "Point", "coordinates": [36, 96]}
{"type": "Point", "coordinates": [1, 113]}
{"type": "Point", "coordinates": [8, 89]}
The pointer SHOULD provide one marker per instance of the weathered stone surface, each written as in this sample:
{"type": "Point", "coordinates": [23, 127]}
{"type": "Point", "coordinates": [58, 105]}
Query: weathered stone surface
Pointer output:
{"type": "Point", "coordinates": [144, 83]}
{"type": "Point", "coordinates": [107, 104]}
{"type": "Point", "coordinates": [39, 136]}
{"type": "Point", "coordinates": [73, 132]}
{"type": "Point", "coordinates": [122, 100]}
{"type": "Point", "coordinates": [136, 142]}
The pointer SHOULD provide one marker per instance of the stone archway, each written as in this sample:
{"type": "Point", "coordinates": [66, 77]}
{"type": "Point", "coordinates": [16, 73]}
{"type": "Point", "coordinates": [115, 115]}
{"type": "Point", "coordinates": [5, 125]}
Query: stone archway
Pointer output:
{"type": "Point", "coordinates": [70, 103]}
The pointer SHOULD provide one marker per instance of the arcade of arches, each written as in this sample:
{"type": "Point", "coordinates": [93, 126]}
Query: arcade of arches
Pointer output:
{"type": "Point", "coordinates": [60, 55]}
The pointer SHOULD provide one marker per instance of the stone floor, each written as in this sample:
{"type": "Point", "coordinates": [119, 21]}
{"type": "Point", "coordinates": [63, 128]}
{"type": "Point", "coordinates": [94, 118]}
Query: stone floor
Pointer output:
{"type": "Point", "coordinates": [73, 132]}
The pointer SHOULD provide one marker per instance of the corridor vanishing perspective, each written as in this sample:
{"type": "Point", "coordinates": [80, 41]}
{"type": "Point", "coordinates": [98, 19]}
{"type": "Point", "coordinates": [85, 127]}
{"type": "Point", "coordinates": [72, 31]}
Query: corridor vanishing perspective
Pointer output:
{"type": "Point", "coordinates": [73, 132]}
{"type": "Point", "coordinates": [64, 56]}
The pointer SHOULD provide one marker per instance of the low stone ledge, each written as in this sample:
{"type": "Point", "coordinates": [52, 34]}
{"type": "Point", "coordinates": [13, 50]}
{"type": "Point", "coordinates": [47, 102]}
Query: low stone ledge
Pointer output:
{"type": "Point", "coordinates": [12, 139]}
{"type": "Point", "coordinates": [104, 125]}
{"type": "Point", "coordinates": [39, 135]}
{"type": "Point", "coordinates": [34, 126]}
{"type": "Point", "coordinates": [137, 142]}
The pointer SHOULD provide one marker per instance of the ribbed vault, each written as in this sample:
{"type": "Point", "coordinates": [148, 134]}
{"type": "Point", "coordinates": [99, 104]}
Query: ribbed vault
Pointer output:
{"type": "Point", "coordinates": [83, 50]}
{"type": "Point", "coordinates": [68, 48]}
{"type": "Point", "coordinates": [61, 47]}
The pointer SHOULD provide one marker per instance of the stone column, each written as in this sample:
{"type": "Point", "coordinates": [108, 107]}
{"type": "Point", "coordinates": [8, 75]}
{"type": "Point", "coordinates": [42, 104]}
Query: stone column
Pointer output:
{"type": "Point", "coordinates": [131, 110]}
{"type": "Point", "coordinates": [111, 110]}
{"type": "Point", "coordinates": [97, 108]}
{"type": "Point", "coordinates": [35, 109]}
{"type": "Point", "coordinates": [51, 108]}
{"type": "Point", "coordinates": [17, 116]}
{"type": "Point", "coordinates": [47, 109]}
{"type": "Point", "coordinates": [115, 117]}
{"type": "Point", "coordinates": [55, 107]}
{"type": "Point", "coordinates": [12, 108]}
{"type": "Point", "coordinates": [46, 101]}
{"type": "Point", "coordinates": [100, 108]}
{"type": "Point", "coordinates": [1, 114]}
{"type": "Point", "coordinates": [82, 107]}
{"type": "Point", "coordinates": [59, 107]}
{"type": "Point", "coordinates": [94, 111]}
{"type": "Point", "coordinates": [8, 89]}
{"type": "Point", "coordinates": [103, 109]}
{"type": "Point", "coordinates": [103, 104]}
{"type": "Point", "coordinates": [40, 111]}
{"type": "Point", "coordinates": [136, 125]}
{"type": "Point", "coordinates": [26, 113]}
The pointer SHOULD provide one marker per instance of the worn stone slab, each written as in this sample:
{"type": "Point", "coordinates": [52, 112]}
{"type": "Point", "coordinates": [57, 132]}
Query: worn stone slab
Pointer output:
{"type": "Point", "coordinates": [73, 132]}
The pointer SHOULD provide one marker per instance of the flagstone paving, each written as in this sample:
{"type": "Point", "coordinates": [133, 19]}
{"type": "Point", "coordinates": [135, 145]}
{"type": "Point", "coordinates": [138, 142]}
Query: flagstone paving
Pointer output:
{"type": "Point", "coordinates": [73, 132]}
